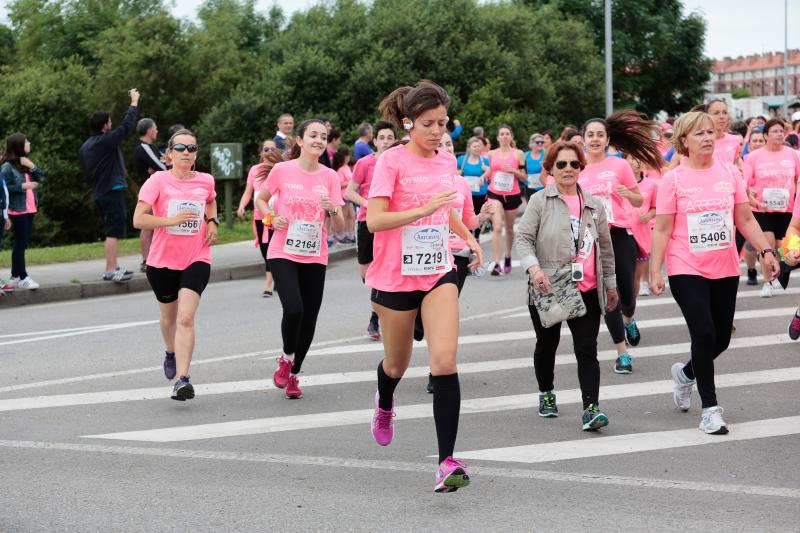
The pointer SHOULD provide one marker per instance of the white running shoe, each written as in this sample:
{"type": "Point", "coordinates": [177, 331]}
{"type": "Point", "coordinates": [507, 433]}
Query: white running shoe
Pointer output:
{"type": "Point", "coordinates": [682, 394]}
{"type": "Point", "coordinates": [766, 290]}
{"type": "Point", "coordinates": [12, 284]}
{"type": "Point", "coordinates": [27, 283]}
{"type": "Point", "coordinates": [644, 289]}
{"type": "Point", "coordinates": [711, 422]}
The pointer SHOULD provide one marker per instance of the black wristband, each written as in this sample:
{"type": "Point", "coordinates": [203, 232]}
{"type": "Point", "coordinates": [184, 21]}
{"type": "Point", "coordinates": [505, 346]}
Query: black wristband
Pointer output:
{"type": "Point", "coordinates": [766, 251]}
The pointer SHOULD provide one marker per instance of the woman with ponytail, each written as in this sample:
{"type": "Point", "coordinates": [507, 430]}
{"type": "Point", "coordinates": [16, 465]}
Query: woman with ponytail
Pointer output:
{"type": "Point", "coordinates": [612, 181]}
{"type": "Point", "coordinates": [298, 250]}
{"type": "Point", "coordinates": [411, 214]}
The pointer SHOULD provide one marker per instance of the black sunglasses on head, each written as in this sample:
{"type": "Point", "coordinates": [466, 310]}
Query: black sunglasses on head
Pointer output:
{"type": "Point", "coordinates": [267, 149]}
{"type": "Point", "coordinates": [561, 165]}
{"type": "Point", "coordinates": [180, 147]}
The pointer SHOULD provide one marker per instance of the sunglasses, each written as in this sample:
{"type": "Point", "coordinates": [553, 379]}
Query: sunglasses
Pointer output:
{"type": "Point", "coordinates": [180, 147]}
{"type": "Point", "coordinates": [561, 165]}
{"type": "Point", "coordinates": [267, 149]}
{"type": "Point", "coordinates": [538, 142]}
{"type": "Point", "coordinates": [668, 135]}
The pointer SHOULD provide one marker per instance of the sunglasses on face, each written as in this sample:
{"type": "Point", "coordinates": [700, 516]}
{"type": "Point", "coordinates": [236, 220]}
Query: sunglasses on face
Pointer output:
{"type": "Point", "coordinates": [538, 142]}
{"type": "Point", "coordinates": [561, 165]}
{"type": "Point", "coordinates": [191, 148]}
{"type": "Point", "coordinates": [267, 149]}
{"type": "Point", "coordinates": [668, 135]}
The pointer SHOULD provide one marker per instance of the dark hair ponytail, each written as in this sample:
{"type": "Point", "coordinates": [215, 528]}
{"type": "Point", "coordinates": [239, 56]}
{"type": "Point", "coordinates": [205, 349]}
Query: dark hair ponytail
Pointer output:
{"type": "Point", "coordinates": [410, 102]}
{"type": "Point", "coordinates": [295, 153]}
{"type": "Point", "coordinates": [631, 133]}
{"type": "Point", "coordinates": [15, 149]}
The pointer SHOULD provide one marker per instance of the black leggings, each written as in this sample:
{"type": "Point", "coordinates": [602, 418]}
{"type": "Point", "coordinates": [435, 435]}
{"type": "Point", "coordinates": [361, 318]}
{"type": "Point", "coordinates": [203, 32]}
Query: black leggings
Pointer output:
{"type": "Point", "coordinates": [21, 227]}
{"type": "Point", "coordinates": [584, 340]}
{"type": "Point", "coordinates": [625, 250]}
{"type": "Point", "coordinates": [263, 246]}
{"type": "Point", "coordinates": [708, 306]}
{"type": "Point", "coordinates": [477, 204]}
{"type": "Point", "coordinates": [302, 285]}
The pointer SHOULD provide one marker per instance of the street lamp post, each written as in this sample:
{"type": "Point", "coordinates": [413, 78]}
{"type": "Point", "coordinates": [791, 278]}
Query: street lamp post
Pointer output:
{"type": "Point", "coordinates": [609, 62]}
{"type": "Point", "coordinates": [786, 58]}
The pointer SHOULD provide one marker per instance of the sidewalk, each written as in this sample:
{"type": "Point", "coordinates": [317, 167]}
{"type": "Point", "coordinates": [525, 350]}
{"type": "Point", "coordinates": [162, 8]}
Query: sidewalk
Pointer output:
{"type": "Point", "coordinates": [82, 279]}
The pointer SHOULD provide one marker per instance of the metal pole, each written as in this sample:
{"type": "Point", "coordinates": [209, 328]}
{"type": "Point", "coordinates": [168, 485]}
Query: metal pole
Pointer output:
{"type": "Point", "coordinates": [609, 63]}
{"type": "Point", "coordinates": [786, 58]}
{"type": "Point", "coordinates": [228, 204]}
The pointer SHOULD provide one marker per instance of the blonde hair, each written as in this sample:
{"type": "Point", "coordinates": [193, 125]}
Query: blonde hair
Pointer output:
{"type": "Point", "coordinates": [685, 125]}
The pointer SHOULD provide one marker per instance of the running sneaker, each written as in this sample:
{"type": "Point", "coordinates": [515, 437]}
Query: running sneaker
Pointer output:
{"type": "Point", "coordinates": [281, 376]}
{"type": "Point", "coordinates": [27, 283]}
{"type": "Point", "coordinates": [497, 271]}
{"type": "Point", "coordinates": [374, 328]}
{"type": "Point", "coordinates": [632, 334]}
{"type": "Point", "coordinates": [183, 390]}
{"type": "Point", "coordinates": [624, 363]}
{"type": "Point", "coordinates": [794, 327]}
{"type": "Point", "coordinates": [593, 418]}
{"type": "Point", "coordinates": [682, 394]}
{"type": "Point", "coordinates": [451, 475]}
{"type": "Point", "coordinates": [711, 422]}
{"type": "Point", "coordinates": [266, 294]}
{"type": "Point", "coordinates": [169, 365]}
{"type": "Point", "coordinates": [644, 289]}
{"type": "Point", "coordinates": [752, 278]}
{"type": "Point", "coordinates": [547, 405]}
{"type": "Point", "coordinates": [143, 266]}
{"type": "Point", "coordinates": [429, 386]}
{"type": "Point", "coordinates": [766, 290]}
{"type": "Point", "coordinates": [7, 286]}
{"type": "Point", "coordinates": [507, 266]}
{"type": "Point", "coordinates": [382, 426]}
{"type": "Point", "coordinates": [293, 391]}
{"type": "Point", "coordinates": [119, 275]}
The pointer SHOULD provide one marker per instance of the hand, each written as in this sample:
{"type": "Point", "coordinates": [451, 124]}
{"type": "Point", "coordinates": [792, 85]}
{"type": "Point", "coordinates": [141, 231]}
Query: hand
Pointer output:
{"type": "Point", "coordinates": [211, 234]}
{"type": "Point", "coordinates": [134, 94]}
{"type": "Point", "coordinates": [183, 216]}
{"type": "Point", "coordinates": [539, 280]}
{"type": "Point", "coordinates": [477, 250]}
{"type": "Point", "coordinates": [657, 283]}
{"type": "Point", "coordinates": [486, 211]}
{"type": "Point", "coordinates": [7, 224]}
{"type": "Point", "coordinates": [770, 268]}
{"type": "Point", "coordinates": [25, 162]}
{"type": "Point", "coordinates": [790, 258]}
{"type": "Point", "coordinates": [326, 204]}
{"type": "Point", "coordinates": [240, 212]}
{"type": "Point", "coordinates": [30, 185]}
{"type": "Point", "coordinates": [645, 218]}
{"type": "Point", "coordinates": [624, 191]}
{"type": "Point", "coordinates": [439, 200]}
{"type": "Point", "coordinates": [612, 299]}
{"type": "Point", "coordinates": [509, 168]}
{"type": "Point", "coordinates": [456, 122]}
{"type": "Point", "coordinates": [280, 223]}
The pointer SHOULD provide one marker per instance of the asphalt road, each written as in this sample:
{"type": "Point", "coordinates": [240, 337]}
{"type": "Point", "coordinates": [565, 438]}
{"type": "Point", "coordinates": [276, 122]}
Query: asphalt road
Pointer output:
{"type": "Point", "coordinates": [90, 441]}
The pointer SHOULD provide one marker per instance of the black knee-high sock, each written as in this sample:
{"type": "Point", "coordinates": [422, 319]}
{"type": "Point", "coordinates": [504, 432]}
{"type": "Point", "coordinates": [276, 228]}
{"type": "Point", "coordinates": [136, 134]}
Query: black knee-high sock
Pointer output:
{"type": "Point", "coordinates": [374, 316]}
{"type": "Point", "coordinates": [386, 386]}
{"type": "Point", "coordinates": [446, 408]}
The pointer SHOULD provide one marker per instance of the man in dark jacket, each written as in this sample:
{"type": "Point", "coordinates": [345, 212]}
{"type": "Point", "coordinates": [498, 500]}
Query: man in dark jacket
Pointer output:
{"type": "Point", "coordinates": [146, 161]}
{"type": "Point", "coordinates": [102, 164]}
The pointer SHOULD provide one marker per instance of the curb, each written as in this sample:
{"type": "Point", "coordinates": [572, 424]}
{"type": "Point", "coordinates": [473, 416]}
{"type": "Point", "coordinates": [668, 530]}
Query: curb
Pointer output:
{"type": "Point", "coordinates": [95, 289]}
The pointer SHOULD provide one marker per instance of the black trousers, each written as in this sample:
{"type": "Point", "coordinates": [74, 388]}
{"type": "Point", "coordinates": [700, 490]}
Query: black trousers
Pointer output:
{"type": "Point", "coordinates": [625, 249]}
{"type": "Point", "coordinates": [21, 227]}
{"type": "Point", "coordinates": [302, 285]}
{"type": "Point", "coordinates": [584, 340]}
{"type": "Point", "coordinates": [708, 305]}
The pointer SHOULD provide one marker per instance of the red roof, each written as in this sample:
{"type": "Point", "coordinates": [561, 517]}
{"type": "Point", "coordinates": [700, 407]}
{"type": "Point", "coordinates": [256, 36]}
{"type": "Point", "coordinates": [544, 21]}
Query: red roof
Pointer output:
{"type": "Point", "coordinates": [755, 62]}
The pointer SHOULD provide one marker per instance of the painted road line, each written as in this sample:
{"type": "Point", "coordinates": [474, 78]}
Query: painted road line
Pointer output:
{"type": "Point", "coordinates": [636, 442]}
{"type": "Point", "coordinates": [341, 378]}
{"type": "Point", "coordinates": [396, 466]}
{"type": "Point", "coordinates": [100, 329]}
{"type": "Point", "coordinates": [417, 411]}
{"type": "Point", "coordinates": [67, 330]}
{"type": "Point", "coordinates": [528, 334]}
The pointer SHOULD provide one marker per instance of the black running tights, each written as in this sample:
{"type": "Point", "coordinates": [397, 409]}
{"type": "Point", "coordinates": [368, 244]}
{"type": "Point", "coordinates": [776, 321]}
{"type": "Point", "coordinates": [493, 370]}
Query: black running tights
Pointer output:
{"type": "Point", "coordinates": [625, 250]}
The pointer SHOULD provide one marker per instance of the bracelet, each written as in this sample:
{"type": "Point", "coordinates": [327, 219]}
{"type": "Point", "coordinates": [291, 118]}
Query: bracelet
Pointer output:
{"type": "Point", "coordinates": [334, 212]}
{"type": "Point", "coordinates": [766, 251]}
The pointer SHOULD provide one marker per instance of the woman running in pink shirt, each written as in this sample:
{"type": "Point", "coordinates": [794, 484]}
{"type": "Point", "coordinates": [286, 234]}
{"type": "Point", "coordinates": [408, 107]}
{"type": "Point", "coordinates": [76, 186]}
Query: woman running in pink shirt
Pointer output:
{"type": "Point", "coordinates": [411, 214]}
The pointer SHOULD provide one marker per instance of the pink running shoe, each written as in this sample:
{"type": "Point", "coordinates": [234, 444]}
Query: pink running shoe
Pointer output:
{"type": "Point", "coordinates": [382, 427]}
{"type": "Point", "coordinates": [293, 391]}
{"type": "Point", "coordinates": [507, 266]}
{"type": "Point", "coordinates": [794, 328]}
{"type": "Point", "coordinates": [451, 475]}
{"type": "Point", "coordinates": [281, 376]}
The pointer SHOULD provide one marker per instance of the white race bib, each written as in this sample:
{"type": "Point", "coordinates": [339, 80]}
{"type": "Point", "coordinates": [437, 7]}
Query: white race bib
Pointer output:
{"type": "Point", "coordinates": [776, 199]}
{"type": "Point", "coordinates": [710, 230]}
{"type": "Point", "coordinates": [425, 250]}
{"type": "Point", "coordinates": [304, 238]}
{"type": "Point", "coordinates": [474, 183]}
{"type": "Point", "coordinates": [609, 209]}
{"type": "Point", "coordinates": [460, 212]}
{"type": "Point", "coordinates": [535, 180]}
{"type": "Point", "coordinates": [188, 227]}
{"type": "Point", "coordinates": [503, 181]}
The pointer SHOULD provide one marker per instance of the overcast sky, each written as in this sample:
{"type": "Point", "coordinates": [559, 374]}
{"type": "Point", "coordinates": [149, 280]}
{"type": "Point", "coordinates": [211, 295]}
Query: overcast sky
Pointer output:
{"type": "Point", "coordinates": [735, 27]}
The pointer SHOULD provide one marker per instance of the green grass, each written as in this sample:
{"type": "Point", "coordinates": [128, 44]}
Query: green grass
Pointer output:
{"type": "Point", "coordinates": [242, 231]}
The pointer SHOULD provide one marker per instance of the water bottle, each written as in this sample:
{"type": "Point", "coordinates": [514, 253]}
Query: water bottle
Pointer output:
{"type": "Point", "coordinates": [479, 270]}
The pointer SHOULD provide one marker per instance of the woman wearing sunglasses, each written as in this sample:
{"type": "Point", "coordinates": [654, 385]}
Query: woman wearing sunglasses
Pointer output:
{"type": "Point", "coordinates": [544, 248]}
{"type": "Point", "coordinates": [179, 205]}
{"type": "Point", "coordinates": [298, 250]}
{"type": "Point", "coordinates": [611, 180]}
{"type": "Point", "coordinates": [267, 147]}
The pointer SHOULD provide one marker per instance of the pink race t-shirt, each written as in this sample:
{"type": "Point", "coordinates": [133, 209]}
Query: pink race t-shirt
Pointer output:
{"type": "Point", "coordinates": [251, 180]}
{"type": "Point", "coordinates": [773, 176]}
{"type": "Point", "coordinates": [601, 180]}
{"type": "Point", "coordinates": [177, 247]}
{"type": "Point", "coordinates": [465, 209]}
{"type": "Point", "coordinates": [502, 182]}
{"type": "Point", "coordinates": [643, 231]}
{"type": "Point", "coordinates": [345, 175]}
{"type": "Point", "coordinates": [362, 176]}
{"type": "Point", "coordinates": [703, 234]}
{"type": "Point", "coordinates": [304, 240]}
{"type": "Point", "coordinates": [575, 204]}
{"type": "Point", "coordinates": [401, 254]}
{"type": "Point", "coordinates": [727, 149]}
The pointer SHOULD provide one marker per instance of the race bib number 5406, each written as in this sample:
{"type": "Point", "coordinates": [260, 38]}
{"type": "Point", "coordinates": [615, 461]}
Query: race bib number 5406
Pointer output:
{"type": "Point", "coordinates": [709, 231]}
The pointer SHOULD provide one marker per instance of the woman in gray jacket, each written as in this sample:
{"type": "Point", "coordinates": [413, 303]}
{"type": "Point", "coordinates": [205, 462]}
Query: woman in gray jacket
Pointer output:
{"type": "Point", "coordinates": [565, 228]}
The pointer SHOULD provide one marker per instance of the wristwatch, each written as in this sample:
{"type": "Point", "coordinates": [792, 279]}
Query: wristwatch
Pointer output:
{"type": "Point", "coordinates": [766, 251]}
{"type": "Point", "coordinates": [215, 220]}
{"type": "Point", "coordinates": [334, 212]}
